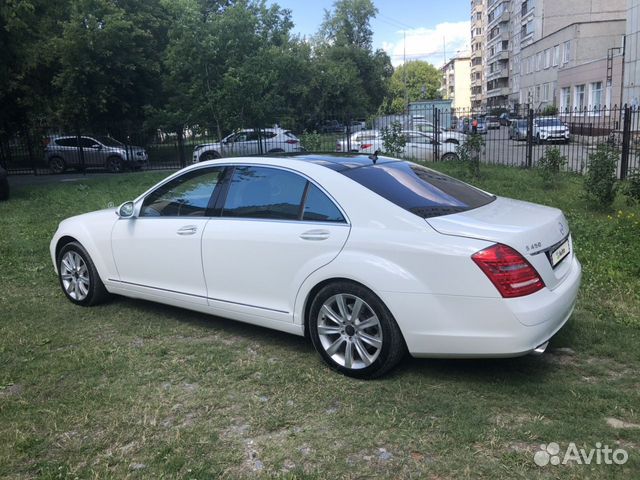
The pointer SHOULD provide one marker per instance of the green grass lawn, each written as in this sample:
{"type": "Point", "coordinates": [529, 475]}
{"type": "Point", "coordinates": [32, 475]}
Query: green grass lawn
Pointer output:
{"type": "Point", "coordinates": [135, 389]}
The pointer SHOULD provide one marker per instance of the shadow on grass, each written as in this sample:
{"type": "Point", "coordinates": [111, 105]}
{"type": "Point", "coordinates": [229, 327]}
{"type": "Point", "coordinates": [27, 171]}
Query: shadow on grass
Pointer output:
{"type": "Point", "coordinates": [526, 370]}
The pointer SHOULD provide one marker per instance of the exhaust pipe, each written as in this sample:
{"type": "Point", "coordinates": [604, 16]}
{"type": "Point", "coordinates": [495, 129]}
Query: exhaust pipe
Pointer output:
{"type": "Point", "coordinates": [539, 350]}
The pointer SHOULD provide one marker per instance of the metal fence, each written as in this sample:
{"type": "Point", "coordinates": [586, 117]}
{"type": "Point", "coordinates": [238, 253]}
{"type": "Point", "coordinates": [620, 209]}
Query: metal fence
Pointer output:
{"type": "Point", "coordinates": [517, 138]}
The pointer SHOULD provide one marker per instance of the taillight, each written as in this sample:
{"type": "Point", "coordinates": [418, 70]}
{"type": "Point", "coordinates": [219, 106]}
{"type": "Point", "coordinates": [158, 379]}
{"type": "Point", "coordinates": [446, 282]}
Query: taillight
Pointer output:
{"type": "Point", "coordinates": [364, 146]}
{"type": "Point", "coordinates": [509, 271]}
{"type": "Point", "coordinates": [292, 142]}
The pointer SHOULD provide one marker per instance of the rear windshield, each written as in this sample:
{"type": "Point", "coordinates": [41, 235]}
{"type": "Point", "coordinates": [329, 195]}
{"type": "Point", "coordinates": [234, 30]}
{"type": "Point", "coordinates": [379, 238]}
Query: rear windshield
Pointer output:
{"type": "Point", "coordinates": [418, 189]}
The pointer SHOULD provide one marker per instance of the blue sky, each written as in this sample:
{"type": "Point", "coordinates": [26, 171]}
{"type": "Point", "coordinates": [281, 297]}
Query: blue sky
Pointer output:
{"type": "Point", "coordinates": [432, 27]}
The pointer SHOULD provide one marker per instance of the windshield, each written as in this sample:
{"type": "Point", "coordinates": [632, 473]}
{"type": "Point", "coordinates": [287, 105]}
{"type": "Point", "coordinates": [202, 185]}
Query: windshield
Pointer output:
{"type": "Point", "coordinates": [109, 142]}
{"type": "Point", "coordinates": [418, 189]}
{"type": "Point", "coordinates": [550, 122]}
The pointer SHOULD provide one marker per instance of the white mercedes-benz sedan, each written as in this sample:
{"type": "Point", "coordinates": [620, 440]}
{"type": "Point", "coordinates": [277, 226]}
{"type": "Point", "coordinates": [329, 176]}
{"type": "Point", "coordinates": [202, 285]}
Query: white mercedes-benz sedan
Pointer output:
{"type": "Point", "coordinates": [370, 257]}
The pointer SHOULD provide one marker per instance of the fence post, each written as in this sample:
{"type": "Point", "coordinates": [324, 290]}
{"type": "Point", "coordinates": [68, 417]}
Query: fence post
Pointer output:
{"type": "Point", "coordinates": [530, 138]}
{"type": "Point", "coordinates": [83, 166]}
{"type": "Point", "coordinates": [436, 132]}
{"type": "Point", "coordinates": [626, 141]}
{"type": "Point", "coordinates": [180, 140]}
{"type": "Point", "coordinates": [32, 159]}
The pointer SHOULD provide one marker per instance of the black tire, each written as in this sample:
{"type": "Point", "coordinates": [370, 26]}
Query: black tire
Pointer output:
{"type": "Point", "coordinates": [209, 156]}
{"type": "Point", "coordinates": [276, 150]}
{"type": "Point", "coordinates": [114, 164]}
{"type": "Point", "coordinates": [386, 331]}
{"type": "Point", "coordinates": [57, 165]}
{"type": "Point", "coordinates": [449, 157]}
{"type": "Point", "coordinates": [96, 293]}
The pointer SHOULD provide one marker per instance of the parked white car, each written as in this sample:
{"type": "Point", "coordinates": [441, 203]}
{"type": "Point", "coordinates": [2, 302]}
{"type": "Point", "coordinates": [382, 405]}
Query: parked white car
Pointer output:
{"type": "Point", "coordinates": [550, 129]}
{"type": "Point", "coordinates": [445, 136]}
{"type": "Point", "coordinates": [370, 259]}
{"type": "Point", "coordinates": [247, 142]}
{"type": "Point", "coordinates": [419, 146]}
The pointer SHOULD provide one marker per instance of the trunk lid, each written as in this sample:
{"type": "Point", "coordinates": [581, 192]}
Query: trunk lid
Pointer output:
{"type": "Point", "coordinates": [535, 231]}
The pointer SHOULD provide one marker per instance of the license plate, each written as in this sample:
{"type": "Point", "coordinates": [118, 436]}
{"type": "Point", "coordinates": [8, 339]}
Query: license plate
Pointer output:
{"type": "Point", "coordinates": [560, 253]}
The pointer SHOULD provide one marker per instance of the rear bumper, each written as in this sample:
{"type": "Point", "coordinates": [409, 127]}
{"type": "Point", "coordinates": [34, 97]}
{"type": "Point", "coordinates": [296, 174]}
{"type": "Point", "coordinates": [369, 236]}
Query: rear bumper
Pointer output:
{"type": "Point", "coordinates": [472, 327]}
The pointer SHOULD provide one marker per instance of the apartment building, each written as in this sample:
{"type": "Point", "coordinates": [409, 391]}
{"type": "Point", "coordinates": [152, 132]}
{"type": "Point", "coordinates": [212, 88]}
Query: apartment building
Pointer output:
{"type": "Point", "coordinates": [511, 32]}
{"type": "Point", "coordinates": [568, 68]}
{"type": "Point", "coordinates": [456, 81]}
{"type": "Point", "coordinates": [497, 52]}
{"type": "Point", "coordinates": [631, 94]}
{"type": "Point", "coordinates": [478, 28]}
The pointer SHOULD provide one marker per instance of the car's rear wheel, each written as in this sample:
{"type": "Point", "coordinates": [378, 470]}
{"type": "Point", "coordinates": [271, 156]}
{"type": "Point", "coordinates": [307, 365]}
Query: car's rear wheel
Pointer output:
{"type": "Point", "coordinates": [353, 331]}
{"type": "Point", "coordinates": [209, 156]}
{"type": "Point", "coordinates": [78, 276]}
{"type": "Point", "coordinates": [114, 164]}
{"type": "Point", "coordinates": [449, 157]}
{"type": "Point", "coordinates": [57, 165]}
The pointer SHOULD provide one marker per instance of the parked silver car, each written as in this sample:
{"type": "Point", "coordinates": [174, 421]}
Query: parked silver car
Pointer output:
{"type": "Point", "coordinates": [247, 142]}
{"type": "Point", "coordinates": [62, 152]}
{"type": "Point", "coordinates": [518, 130]}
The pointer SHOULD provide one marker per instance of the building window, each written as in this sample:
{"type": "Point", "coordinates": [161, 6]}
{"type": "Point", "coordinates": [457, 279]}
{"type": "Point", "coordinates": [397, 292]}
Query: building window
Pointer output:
{"type": "Point", "coordinates": [547, 58]}
{"type": "Point", "coordinates": [537, 97]}
{"type": "Point", "coordinates": [595, 95]}
{"type": "Point", "coordinates": [579, 99]}
{"type": "Point", "coordinates": [565, 99]}
{"type": "Point", "coordinates": [546, 89]}
{"type": "Point", "coordinates": [566, 57]}
{"type": "Point", "coordinates": [556, 55]}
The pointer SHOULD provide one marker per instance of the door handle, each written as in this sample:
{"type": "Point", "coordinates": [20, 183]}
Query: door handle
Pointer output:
{"type": "Point", "coordinates": [315, 235]}
{"type": "Point", "coordinates": [187, 230]}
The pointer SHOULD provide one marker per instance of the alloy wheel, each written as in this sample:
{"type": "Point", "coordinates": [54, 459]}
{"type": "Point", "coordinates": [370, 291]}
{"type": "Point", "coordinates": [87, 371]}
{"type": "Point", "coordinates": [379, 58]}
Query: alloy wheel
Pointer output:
{"type": "Point", "coordinates": [74, 275]}
{"type": "Point", "coordinates": [349, 331]}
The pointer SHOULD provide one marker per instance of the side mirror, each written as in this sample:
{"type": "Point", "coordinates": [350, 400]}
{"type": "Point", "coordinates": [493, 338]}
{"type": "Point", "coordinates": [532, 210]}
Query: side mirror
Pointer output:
{"type": "Point", "coordinates": [126, 210]}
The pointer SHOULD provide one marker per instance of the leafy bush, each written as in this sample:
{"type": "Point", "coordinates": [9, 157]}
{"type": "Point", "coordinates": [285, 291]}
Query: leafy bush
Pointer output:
{"type": "Point", "coordinates": [311, 141]}
{"type": "Point", "coordinates": [600, 181]}
{"type": "Point", "coordinates": [631, 187]}
{"type": "Point", "coordinates": [393, 141]}
{"type": "Point", "coordinates": [550, 164]}
{"type": "Point", "coordinates": [550, 110]}
{"type": "Point", "coordinates": [469, 152]}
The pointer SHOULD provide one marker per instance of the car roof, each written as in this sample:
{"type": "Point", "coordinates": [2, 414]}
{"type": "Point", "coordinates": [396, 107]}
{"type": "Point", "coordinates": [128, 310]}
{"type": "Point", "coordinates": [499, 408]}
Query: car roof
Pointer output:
{"type": "Point", "coordinates": [337, 162]}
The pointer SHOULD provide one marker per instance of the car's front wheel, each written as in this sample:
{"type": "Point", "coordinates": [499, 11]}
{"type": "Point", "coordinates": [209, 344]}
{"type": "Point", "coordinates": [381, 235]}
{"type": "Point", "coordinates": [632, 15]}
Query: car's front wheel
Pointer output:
{"type": "Point", "coordinates": [115, 164]}
{"type": "Point", "coordinates": [353, 331]}
{"type": "Point", "coordinates": [208, 156]}
{"type": "Point", "coordinates": [57, 165]}
{"type": "Point", "coordinates": [449, 157]}
{"type": "Point", "coordinates": [78, 276]}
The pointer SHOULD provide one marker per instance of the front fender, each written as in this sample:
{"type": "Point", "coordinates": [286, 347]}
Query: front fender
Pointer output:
{"type": "Point", "coordinates": [93, 232]}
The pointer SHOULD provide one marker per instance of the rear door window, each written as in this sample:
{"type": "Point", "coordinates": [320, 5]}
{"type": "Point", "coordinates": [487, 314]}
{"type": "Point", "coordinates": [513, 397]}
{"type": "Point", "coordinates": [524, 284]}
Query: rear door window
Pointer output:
{"type": "Point", "coordinates": [418, 189]}
{"type": "Point", "coordinates": [263, 192]}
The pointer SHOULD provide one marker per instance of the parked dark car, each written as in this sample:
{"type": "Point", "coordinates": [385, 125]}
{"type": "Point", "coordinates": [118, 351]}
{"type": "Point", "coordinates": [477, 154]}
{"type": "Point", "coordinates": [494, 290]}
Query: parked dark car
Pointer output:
{"type": "Point", "coordinates": [62, 152]}
{"type": "Point", "coordinates": [4, 184]}
{"type": "Point", "coordinates": [332, 126]}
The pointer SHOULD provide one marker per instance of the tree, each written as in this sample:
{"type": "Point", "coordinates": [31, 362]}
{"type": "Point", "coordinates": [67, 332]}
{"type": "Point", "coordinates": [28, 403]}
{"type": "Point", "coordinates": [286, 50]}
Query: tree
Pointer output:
{"type": "Point", "coordinates": [412, 81]}
{"type": "Point", "coordinates": [109, 54]}
{"type": "Point", "coordinates": [351, 79]}
{"type": "Point", "coordinates": [348, 24]}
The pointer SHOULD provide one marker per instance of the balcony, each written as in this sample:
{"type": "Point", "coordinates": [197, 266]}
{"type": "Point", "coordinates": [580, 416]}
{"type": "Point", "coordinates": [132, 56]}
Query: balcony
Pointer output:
{"type": "Point", "coordinates": [503, 17]}
{"type": "Point", "coordinates": [499, 92]}
{"type": "Point", "coordinates": [499, 55]}
{"type": "Point", "coordinates": [498, 73]}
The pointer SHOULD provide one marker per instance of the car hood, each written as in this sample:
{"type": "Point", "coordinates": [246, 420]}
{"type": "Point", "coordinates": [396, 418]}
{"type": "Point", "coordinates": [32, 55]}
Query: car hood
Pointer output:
{"type": "Point", "coordinates": [98, 215]}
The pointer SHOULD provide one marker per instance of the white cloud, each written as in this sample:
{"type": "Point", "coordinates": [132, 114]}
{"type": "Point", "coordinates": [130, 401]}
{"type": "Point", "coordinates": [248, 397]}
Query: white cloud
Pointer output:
{"type": "Point", "coordinates": [430, 44]}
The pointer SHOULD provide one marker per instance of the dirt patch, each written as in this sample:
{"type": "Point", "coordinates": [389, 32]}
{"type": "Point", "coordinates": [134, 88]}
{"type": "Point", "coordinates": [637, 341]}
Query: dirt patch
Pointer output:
{"type": "Point", "coordinates": [620, 424]}
{"type": "Point", "coordinates": [11, 390]}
